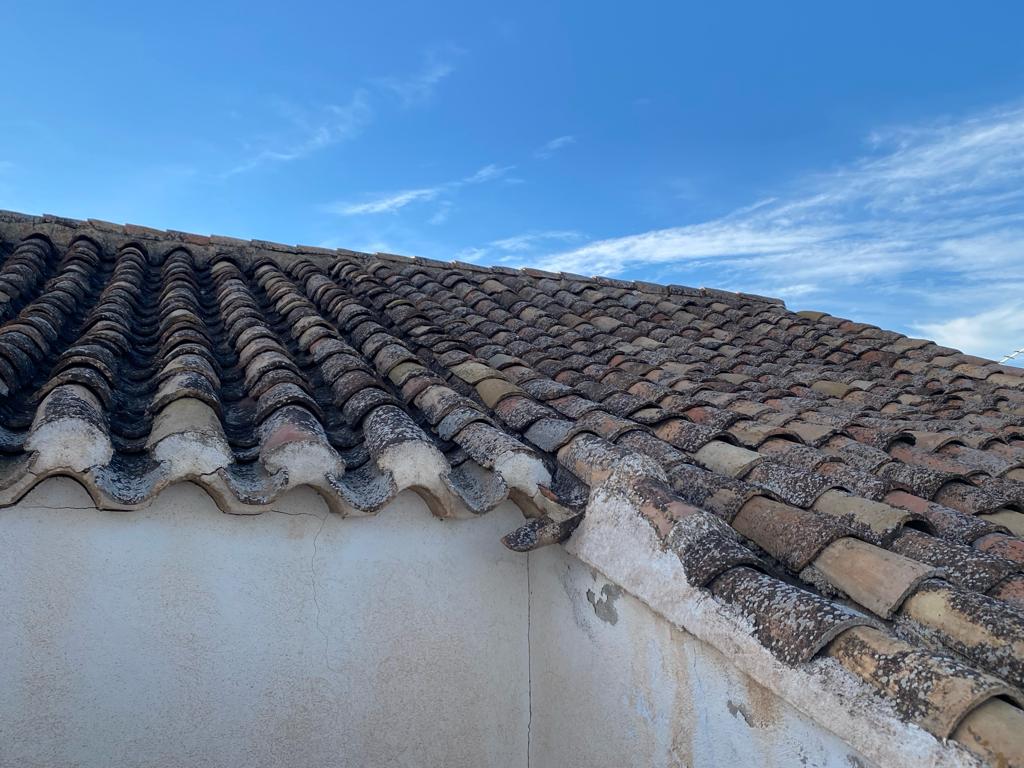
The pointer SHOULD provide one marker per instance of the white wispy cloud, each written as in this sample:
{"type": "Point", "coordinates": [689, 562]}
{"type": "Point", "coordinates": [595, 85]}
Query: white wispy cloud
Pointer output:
{"type": "Point", "coordinates": [530, 240]}
{"type": "Point", "coordinates": [997, 332]}
{"type": "Point", "coordinates": [420, 86]}
{"type": "Point", "coordinates": [387, 204]}
{"type": "Point", "coordinates": [310, 132]}
{"type": "Point", "coordinates": [512, 248]}
{"type": "Point", "coordinates": [395, 201]}
{"type": "Point", "coordinates": [444, 210]}
{"type": "Point", "coordinates": [487, 173]}
{"type": "Point", "coordinates": [550, 147]}
{"type": "Point", "coordinates": [927, 226]}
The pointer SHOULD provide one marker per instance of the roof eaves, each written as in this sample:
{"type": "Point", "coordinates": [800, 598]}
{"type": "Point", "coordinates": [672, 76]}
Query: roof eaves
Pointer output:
{"type": "Point", "coordinates": [615, 539]}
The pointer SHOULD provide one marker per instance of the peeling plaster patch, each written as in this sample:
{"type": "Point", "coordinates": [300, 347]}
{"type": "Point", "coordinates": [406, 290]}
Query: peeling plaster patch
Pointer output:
{"type": "Point", "coordinates": [740, 712]}
{"type": "Point", "coordinates": [604, 603]}
{"type": "Point", "coordinates": [575, 596]}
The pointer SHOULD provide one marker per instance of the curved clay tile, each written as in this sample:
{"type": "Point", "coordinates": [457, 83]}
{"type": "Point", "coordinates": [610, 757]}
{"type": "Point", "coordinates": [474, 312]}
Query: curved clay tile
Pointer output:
{"type": "Point", "coordinates": [833, 490]}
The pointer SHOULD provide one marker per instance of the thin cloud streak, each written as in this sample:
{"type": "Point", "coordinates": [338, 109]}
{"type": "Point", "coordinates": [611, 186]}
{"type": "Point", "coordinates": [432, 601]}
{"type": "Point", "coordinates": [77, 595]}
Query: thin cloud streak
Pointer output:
{"type": "Point", "coordinates": [395, 201]}
{"type": "Point", "coordinates": [935, 196]}
{"type": "Point", "coordinates": [553, 146]}
{"type": "Point", "coordinates": [442, 213]}
{"type": "Point", "coordinates": [511, 248]}
{"type": "Point", "coordinates": [420, 87]}
{"type": "Point", "coordinates": [388, 204]}
{"type": "Point", "coordinates": [335, 124]}
{"type": "Point", "coordinates": [528, 241]}
{"type": "Point", "coordinates": [487, 173]}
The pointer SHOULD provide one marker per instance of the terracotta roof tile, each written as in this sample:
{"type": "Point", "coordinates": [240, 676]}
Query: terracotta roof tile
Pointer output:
{"type": "Point", "coordinates": [933, 690]}
{"type": "Point", "coordinates": [835, 484]}
{"type": "Point", "coordinates": [794, 623]}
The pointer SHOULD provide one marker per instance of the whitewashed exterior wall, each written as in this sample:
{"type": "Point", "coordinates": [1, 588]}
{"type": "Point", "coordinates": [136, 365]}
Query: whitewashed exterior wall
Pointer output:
{"type": "Point", "coordinates": [614, 684]}
{"type": "Point", "coordinates": [179, 636]}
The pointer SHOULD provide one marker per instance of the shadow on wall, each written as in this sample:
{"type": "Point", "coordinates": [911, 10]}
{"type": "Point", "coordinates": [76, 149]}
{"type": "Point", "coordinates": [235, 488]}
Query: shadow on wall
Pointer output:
{"type": "Point", "coordinates": [614, 684]}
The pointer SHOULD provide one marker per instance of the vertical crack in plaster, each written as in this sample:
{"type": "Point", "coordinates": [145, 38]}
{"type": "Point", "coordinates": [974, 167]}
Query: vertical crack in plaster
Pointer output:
{"type": "Point", "coordinates": [312, 581]}
{"type": "Point", "coordinates": [529, 661]}
{"type": "Point", "coordinates": [316, 601]}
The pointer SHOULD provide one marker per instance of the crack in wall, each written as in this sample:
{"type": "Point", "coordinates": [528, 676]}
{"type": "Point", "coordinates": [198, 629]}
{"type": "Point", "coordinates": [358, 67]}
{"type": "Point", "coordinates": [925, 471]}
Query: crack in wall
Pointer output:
{"type": "Point", "coordinates": [316, 601]}
{"type": "Point", "coordinates": [529, 661]}
{"type": "Point", "coordinates": [312, 580]}
{"type": "Point", "coordinates": [64, 508]}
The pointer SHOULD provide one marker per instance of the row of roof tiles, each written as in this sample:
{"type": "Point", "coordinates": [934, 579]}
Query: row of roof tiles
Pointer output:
{"type": "Point", "coordinates": [852, 492]}
{"type": "Point", "coordinates": [62, 228]}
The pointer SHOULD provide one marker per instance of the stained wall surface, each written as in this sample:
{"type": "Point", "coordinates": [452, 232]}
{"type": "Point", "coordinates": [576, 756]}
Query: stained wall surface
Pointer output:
{"type": "Point", "coordinates": [182, 636]}
{"type": "Point", "coordinates": [615, 684]}
{"type": "Point", "coordinates": [179, 636]}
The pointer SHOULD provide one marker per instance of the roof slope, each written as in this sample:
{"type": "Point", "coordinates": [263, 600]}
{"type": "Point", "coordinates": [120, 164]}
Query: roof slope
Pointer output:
{"type": "Point", "coordinates": [852, 492]}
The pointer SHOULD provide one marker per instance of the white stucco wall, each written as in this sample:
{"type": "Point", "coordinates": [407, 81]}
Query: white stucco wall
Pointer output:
{"type": "Point", "coordinates": [614, 684]}
{"type": "Point", "coordinates": [181, 636]}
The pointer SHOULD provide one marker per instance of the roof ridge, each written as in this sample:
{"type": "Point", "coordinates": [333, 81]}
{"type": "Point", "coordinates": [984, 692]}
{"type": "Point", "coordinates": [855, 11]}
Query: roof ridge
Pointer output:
{"type": "Point", "coordinates": [143, 232]}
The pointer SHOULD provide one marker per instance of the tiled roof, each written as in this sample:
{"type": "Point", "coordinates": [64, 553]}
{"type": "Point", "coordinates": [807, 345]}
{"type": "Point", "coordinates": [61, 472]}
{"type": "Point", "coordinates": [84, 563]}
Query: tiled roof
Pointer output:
{"type": "Point", "coordinates": [852, 492]}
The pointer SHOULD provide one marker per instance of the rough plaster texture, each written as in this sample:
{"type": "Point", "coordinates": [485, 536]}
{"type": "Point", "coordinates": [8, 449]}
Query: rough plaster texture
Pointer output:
{"type": "Point", "coordinates": [181, 636]}
{"type": "Point", "coordinates": [619, 543]}
{"type": "Point", "coordinates": [178, 636]}
{"type": "Point", "coordinates": [614, 684]}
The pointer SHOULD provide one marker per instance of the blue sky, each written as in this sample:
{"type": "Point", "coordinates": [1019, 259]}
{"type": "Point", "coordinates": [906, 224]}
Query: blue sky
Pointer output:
{"type": "Point", "coordinates": [866, 160]}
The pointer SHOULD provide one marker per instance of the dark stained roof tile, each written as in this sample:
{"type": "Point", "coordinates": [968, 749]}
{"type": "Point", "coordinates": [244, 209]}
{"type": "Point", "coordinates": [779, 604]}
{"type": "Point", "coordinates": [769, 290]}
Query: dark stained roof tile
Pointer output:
{"type": "Point", "coordinates": [933, 690]}
{"type": "Point", "coordinates": [794, 623]}
{"type": "Point", "coordinates": [765, 449]}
